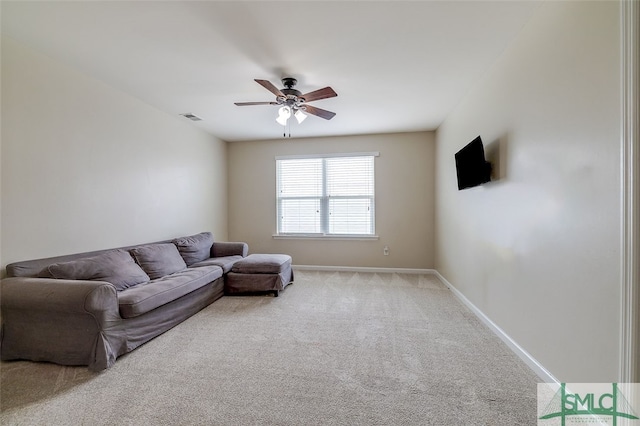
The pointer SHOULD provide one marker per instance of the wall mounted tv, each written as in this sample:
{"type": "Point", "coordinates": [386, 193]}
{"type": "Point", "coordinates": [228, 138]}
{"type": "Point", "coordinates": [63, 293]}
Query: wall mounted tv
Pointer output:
{"type": "Point", "coordinates": [471, 167]}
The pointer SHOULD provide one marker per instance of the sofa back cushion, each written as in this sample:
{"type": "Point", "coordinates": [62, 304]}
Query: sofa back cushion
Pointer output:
{"type": "Point", "coordinates": [158, 260]}
{"type": "Point", "coordinates": [116, 267]}
{"type": "Point", "coordinates": [195, 248]}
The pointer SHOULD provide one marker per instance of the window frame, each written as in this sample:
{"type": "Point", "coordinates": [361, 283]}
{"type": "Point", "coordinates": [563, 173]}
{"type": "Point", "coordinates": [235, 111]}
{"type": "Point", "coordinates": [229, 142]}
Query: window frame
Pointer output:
{"type": "Point", "coordinates": [324, 200]}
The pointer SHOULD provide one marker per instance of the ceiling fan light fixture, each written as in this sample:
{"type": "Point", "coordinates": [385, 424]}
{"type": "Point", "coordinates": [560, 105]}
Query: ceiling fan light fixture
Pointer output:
{"type": "Point", "coordinates": [300, 116]}
{"type": "Point", "coordinates": [283, 115]}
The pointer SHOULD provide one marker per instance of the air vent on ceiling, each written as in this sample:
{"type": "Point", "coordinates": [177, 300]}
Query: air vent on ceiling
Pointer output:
{"type": "Point", "coordinates": [191, 116]}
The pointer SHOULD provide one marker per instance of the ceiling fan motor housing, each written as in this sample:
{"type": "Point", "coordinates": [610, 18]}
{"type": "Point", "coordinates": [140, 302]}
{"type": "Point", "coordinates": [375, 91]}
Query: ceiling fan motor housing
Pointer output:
{"type": "Point", "coordinates": [292, 99]}
{"type": "Point", "coordinates": [289, 82]}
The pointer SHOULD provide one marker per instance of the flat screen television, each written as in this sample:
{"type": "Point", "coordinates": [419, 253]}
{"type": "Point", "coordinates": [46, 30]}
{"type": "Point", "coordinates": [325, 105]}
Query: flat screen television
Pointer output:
{"type": "Point", "coordinates": [471, 167]}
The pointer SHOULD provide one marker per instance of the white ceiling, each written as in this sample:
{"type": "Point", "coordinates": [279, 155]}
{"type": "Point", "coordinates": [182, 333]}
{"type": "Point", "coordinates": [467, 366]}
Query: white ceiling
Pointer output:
{"type": "Point", "coordinates": [397, 66]}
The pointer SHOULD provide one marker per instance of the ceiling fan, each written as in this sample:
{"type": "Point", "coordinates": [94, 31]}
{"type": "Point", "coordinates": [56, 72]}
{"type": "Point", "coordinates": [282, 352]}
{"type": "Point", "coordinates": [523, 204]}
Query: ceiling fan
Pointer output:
{"type": "Point", "coordinates": [293, 102]}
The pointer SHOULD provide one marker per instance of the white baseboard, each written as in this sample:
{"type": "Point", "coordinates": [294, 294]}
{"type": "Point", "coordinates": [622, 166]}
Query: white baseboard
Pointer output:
{"type": "Point", "coordinates": [537, 368]}
{"type": "Point", "coordinates": [363, 269]}
{"type": "Point", "coordinates": [531, 362]}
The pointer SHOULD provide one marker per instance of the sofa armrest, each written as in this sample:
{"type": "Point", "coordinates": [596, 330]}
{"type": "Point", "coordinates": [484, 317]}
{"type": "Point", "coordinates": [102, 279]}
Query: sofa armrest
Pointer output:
{"type": "Point", "coordinates": [69, 322]}
{"type": "Point", "coordinates": [49, 294]}
{"type": "Point", "coordinates": [223, 248]}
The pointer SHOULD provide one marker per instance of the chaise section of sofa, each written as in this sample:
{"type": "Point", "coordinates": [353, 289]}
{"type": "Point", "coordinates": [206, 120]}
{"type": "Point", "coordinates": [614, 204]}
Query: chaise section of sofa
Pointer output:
{"type": "Point", "coordinates": [90, 308]}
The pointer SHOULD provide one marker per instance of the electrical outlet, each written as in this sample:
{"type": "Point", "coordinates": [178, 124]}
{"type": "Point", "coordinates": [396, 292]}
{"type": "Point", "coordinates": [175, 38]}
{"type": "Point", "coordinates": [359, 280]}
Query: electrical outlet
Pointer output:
{"type": "Point", "coordinates": [385, 250]}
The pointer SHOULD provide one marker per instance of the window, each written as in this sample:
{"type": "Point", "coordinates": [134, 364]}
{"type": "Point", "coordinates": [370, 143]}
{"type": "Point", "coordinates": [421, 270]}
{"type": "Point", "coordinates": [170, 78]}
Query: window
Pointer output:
{"type": "Point", "coordinates": [326, 196]}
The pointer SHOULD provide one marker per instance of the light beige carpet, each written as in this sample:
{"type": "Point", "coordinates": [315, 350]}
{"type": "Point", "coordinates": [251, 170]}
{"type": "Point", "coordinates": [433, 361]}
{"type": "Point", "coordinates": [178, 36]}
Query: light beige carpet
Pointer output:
{"type": "Point", "coordinates": [336, 348]}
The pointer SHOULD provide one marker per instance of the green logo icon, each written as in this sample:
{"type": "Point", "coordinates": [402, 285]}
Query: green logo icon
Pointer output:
{"type": "Point", "coordinates": [589, 405]}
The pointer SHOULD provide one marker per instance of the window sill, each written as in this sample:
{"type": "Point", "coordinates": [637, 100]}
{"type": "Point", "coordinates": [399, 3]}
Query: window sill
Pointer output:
{"type": "Point", "coordinates": [323, 237]}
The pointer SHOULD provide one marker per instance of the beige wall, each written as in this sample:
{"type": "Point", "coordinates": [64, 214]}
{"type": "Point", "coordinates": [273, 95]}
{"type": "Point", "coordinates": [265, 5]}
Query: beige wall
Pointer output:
{"type": "Point", "coordinates": [404, 200]}
{"type": "Point", "coordinates": [538, 250]}
{"type": "Point", "coordinates": [85, 166]}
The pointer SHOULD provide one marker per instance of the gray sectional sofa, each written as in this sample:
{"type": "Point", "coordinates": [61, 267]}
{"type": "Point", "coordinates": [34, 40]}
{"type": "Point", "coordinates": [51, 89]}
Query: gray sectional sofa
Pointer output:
{"type": "Point", "coordinates": [90, 308]}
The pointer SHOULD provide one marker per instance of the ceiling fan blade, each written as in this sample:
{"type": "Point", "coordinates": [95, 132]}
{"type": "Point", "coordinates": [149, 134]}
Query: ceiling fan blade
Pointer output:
{"type": "Point", "coordinates": [255, 103]}
{"type": "Point", "coordinates": [270, 87]}
{"type": "Point", "coordinates": [322, 113]}
{"type": "Point", "coordinates": [324, 93]}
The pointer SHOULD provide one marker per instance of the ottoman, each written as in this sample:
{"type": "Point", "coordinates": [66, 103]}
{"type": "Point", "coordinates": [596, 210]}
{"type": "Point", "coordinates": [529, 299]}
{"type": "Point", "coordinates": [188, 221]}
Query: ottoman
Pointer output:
{"type": "Point", "coordinates": [258, 273]}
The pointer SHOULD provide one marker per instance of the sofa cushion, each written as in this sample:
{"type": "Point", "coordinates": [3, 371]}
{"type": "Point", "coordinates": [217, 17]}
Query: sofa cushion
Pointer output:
{"type": "Point", "coordinates": [195, 248]}
{"type": "Point", "coordinates": [158, 260]}
{"type": "Point", "coordinates": [116, 267]}
{"type": "Point", "coordinates": [226, 262]}
{"type": "Point", "coordinates": [262, 264]}
{"type": "Point", "coordinates": [143, 298]}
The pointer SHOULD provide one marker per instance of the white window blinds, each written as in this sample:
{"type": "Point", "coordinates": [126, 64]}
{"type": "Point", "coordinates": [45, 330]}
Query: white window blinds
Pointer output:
{"type": "Point", "coordinates": [332, 195]}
